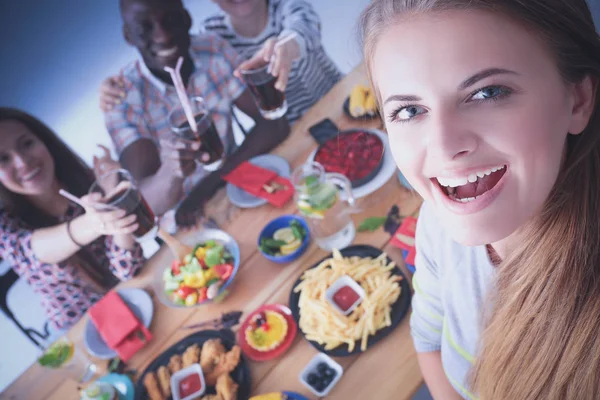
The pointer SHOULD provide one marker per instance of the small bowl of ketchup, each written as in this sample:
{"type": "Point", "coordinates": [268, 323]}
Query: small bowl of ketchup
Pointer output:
{"type": "Point", "coordinates": [345, 294]}
{"type": "Point", "coordinates": [188, 383]}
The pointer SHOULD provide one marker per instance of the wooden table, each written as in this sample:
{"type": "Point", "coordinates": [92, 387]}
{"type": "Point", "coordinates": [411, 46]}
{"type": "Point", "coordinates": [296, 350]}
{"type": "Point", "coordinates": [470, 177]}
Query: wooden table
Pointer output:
{"type": "Point", "coordinates": [389, 370]}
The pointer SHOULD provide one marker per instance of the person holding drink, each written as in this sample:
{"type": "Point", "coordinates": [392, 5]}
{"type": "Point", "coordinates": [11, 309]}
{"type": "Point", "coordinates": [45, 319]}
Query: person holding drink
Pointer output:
{"type": "Point", "coordinates": [175, 165]}
{"type": "Point", "coordinates": [288, 32]}
{"type": "Point", "coordinates": [69, 255]}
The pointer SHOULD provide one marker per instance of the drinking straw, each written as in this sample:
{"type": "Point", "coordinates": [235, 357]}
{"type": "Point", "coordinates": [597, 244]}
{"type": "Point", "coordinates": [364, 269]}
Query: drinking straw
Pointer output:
{"type": "Point", "coordinates": [181, 93]}
{"type": "Point", "coordinates": [280, 43]}
{"type": "Point", "coordinates": [78, 201]}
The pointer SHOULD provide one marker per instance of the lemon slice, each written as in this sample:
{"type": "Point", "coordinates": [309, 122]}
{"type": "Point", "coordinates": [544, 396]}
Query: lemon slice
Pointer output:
{"type": "Point", "coordinates": [284, 234]}
{"type": "Point", "coordinates": [290, 247]}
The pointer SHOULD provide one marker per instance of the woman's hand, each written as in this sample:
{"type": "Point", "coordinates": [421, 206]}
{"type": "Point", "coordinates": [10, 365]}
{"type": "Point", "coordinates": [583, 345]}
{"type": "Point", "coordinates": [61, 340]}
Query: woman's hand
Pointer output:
{"type": "Point", "coordinates": [281, 58]}
{"type": "Point", "coordinates": [110, 222]}
{"type": "Point", "coordinates": [112, 92]}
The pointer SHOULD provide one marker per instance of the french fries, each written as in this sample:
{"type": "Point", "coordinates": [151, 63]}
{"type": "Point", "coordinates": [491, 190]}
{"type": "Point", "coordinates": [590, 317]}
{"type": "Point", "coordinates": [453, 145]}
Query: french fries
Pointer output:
{"type": "Point", "coordinates": [321, 323]}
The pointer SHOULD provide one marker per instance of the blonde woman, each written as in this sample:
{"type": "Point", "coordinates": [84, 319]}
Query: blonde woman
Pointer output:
{"type": "Point", "coordinates": [492, 111]}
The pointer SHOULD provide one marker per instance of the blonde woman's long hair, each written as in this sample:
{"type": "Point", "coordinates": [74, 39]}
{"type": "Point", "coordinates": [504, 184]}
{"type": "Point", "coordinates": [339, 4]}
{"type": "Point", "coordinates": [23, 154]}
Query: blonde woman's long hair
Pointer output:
{"type": "Point", "coordinates": [541, 339]}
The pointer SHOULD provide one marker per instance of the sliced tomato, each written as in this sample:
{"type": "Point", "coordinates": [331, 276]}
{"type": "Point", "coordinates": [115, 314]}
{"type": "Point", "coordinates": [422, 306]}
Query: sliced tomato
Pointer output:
{"type": "Point", "coordinates": [185, 291]}
{"type": "Point", "coordinates": [176, 267]}
{"type": "Point", "coordinates": [202, 294]}
{"type": "Point", "coordinates": [224, 271]}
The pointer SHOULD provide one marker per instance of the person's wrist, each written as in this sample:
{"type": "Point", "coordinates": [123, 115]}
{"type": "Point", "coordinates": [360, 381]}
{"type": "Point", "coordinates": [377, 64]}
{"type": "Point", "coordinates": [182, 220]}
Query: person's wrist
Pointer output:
{"type": "Point", "coordinates": [167, 172]}
{"type": "Point", "coordinates": [83, 230]}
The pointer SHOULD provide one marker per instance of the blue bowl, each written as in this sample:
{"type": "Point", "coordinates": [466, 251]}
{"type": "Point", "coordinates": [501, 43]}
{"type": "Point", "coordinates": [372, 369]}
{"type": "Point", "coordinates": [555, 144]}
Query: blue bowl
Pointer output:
{"type": "Point", "coordinates": [284, 222]}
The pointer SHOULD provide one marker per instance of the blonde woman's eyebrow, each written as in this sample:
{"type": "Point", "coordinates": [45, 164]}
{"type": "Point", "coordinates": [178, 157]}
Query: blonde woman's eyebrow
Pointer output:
{"type": "Point", "coordinates": [401, 97]}
{"type": "Point", "coordinates": [486, 73]}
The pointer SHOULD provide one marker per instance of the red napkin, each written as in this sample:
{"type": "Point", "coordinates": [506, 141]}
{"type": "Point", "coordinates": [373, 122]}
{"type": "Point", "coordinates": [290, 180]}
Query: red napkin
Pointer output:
{"type": "Point", "coordinates": [405, 235]}
{"type": "Point", "coordinates": [252, 178]}
{"type": "Point", "coordinates": [118, 326]}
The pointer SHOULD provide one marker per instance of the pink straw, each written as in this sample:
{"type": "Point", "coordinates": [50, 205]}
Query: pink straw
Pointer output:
{"type": "Point", "coordinates": [181, 93]}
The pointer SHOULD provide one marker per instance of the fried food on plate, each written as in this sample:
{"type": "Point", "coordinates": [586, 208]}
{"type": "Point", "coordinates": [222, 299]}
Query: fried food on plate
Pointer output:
{"type": "Point", "coordinates": [164, 380]}
{"type": "Point", "coordinates": [151, 384]}
{"type": "Point", "coordinates": [191, 355]}
{"type": "Point", "coordinates": [225, 365]}
{"type": "Point", "coordinates": [175, 363]}
{"type": "Point", "coordinates": [212, 351]}
{"type": "Point", "coordinates": [226, 387]}
{"type": "Point", "coordinates": [321, 323]}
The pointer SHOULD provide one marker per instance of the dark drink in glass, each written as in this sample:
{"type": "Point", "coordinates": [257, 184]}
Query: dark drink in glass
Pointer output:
{"type": "Point", "coordinates": [120, 192]}
{"type": "Point", "coordinates": [270, 101]}
{"type": "Point", "coordinates": [206, 132]}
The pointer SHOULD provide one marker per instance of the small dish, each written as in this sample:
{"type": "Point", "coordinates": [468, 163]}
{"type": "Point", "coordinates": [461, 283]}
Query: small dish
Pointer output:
{"type": "Point", "coordinates": [277, 224]}
{"type": "Point", "coordinates": [315, 366]}
{"type": "Point", "coordinates": [243, 199]}
{"type": "Point", "coordinates": [140, 303]}
{"type": "Point", "coordinates": [292, 329]}
{"type": "Point", "coordinates": [99, 391]}
{"type": "Point", "coordinates": [122, 384]}
{"type": "Point", "coordinates": [339, 288]}
{"type": "Point", "coordinates": [191, 373]}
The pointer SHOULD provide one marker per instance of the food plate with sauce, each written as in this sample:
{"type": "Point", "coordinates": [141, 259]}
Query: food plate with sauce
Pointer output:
{"type": "Point", "coordinates": [240, 375]}
{"type": "Point", "coordinates": [398, 309]}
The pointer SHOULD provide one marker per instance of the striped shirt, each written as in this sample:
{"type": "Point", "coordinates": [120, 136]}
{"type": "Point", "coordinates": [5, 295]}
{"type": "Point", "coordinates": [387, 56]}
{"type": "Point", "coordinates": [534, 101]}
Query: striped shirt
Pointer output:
{"type": "Point", "coordinates": [451, 283]}
{"type": "Point", "coordinates": [145, 110]}
{"type": "Point", "coordinates": [313, 74]}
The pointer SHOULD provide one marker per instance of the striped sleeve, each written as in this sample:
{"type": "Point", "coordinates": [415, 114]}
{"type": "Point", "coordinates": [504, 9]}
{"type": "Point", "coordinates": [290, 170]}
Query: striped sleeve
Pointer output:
{"type": "Point", "coordinates": [298, 16]}
{"type": "Point", "coordinates": [426, 321]}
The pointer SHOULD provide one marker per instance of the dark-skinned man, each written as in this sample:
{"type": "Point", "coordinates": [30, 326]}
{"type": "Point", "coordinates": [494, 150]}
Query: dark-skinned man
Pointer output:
{"type": "Point", "coordinates": [163, 164]}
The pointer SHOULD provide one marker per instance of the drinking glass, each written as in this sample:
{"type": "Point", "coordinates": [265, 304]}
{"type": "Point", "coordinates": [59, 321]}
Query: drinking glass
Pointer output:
{"type": "Point", "coordinates": [64, 356]}
{"type": "Point", "coordinates": [270, 101]}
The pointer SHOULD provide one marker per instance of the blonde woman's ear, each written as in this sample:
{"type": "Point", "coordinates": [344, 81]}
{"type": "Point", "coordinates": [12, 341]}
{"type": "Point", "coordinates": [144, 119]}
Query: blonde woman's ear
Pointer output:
{"type": "Point", "coordinates": [583, 96]}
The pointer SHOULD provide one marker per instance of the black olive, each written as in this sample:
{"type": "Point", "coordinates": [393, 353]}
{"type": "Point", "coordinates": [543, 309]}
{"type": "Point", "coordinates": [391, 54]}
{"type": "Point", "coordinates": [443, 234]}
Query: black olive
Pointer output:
{"type": "Point", "coordinates": [312, 379]}
{"type": "Point", "coordinates": [320, 386]}
{"type": "Point", "coordinates": [322, 367]}
{"type": "Point", "coordinates": [329, 373]}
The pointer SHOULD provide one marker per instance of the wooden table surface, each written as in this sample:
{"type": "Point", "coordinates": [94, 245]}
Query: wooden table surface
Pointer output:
{"type": "Point", "coordinates": [388, 370]}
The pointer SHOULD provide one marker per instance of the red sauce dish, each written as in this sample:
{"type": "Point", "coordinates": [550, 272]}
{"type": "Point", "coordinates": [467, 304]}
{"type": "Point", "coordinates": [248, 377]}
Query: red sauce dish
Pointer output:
{"type": "Point", "coordinates": [345, 294]}
{"type": "Point", "coordinates": [188, 383]}
{"type": "Point", "coordinates": [345, 297]}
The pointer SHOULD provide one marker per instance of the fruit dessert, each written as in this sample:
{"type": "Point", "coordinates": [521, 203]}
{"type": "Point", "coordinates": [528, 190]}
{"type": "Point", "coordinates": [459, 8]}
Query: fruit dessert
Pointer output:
{"type": "Point", "coordinates": [267, 331]}
{"type": "Point", "coordinates": [357, 155]}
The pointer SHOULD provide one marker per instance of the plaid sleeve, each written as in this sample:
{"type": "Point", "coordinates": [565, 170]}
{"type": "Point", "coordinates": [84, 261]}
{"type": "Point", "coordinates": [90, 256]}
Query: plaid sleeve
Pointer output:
{"type": "Point", "coordinates": [223, 67]}
{"type": "Point", "coordinates": [427, 317]}
{"type": "Point", "coordinates": [125, 122]}
{"type": "Point", "coordinates": [299, 17]}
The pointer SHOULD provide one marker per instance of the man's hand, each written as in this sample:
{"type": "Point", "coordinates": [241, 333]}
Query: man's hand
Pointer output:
{"type": "Point", "coordinates": [281, 57]}
{"type": "Point", "coordinates": [190, 212]}
{"type": "Point", "coordinates": [179, 155]}
{"type": "Point", "coordinates": [112, 92]}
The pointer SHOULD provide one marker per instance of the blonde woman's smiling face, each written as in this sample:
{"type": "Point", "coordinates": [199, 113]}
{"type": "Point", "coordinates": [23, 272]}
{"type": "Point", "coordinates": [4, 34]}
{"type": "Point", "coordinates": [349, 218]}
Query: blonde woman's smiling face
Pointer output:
{"type": "Point", "coordinates": [477, 115]}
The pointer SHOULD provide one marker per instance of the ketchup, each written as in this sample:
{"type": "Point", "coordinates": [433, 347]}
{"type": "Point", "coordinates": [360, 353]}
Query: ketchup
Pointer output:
{"type": "Point", "coordinates": [189, 385]}
{"type": "Point", "coordinates": [345, 297]}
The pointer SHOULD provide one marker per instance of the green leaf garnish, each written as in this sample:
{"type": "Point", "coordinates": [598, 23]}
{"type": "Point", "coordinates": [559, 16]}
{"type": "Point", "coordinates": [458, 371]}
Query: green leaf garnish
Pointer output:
{"type": "Point", "coordinates": [372, 224]}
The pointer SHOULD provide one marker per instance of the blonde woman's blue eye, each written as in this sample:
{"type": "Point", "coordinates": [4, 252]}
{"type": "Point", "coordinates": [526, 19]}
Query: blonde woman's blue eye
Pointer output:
{"type": "Point", "coordinates": [406, 113]}
{"type": "Point", "coordinates": [488, 93]}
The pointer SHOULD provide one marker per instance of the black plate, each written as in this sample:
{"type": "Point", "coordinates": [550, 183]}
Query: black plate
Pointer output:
{"type": "Point", "coordinates": [369, 177]}
{"type": "Point", "coordinates": [241, 375]}
{"type": "Point", "coordinates": [365, 117]}
{"type": "Point", "coordinates": [399, 308]}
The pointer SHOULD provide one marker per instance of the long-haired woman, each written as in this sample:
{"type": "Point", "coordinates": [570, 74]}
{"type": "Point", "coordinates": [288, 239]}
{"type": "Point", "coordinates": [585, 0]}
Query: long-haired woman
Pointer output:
{"type": "Point", "coordinates": [69, 255]}
{"type": "Point", "coordinates": [492, 109]}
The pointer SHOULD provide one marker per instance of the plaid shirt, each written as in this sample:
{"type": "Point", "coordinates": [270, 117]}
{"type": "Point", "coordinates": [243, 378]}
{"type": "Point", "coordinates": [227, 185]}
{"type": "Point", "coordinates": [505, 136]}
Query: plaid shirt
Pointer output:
{"type": "Point", "coordinates": [144, 112]}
